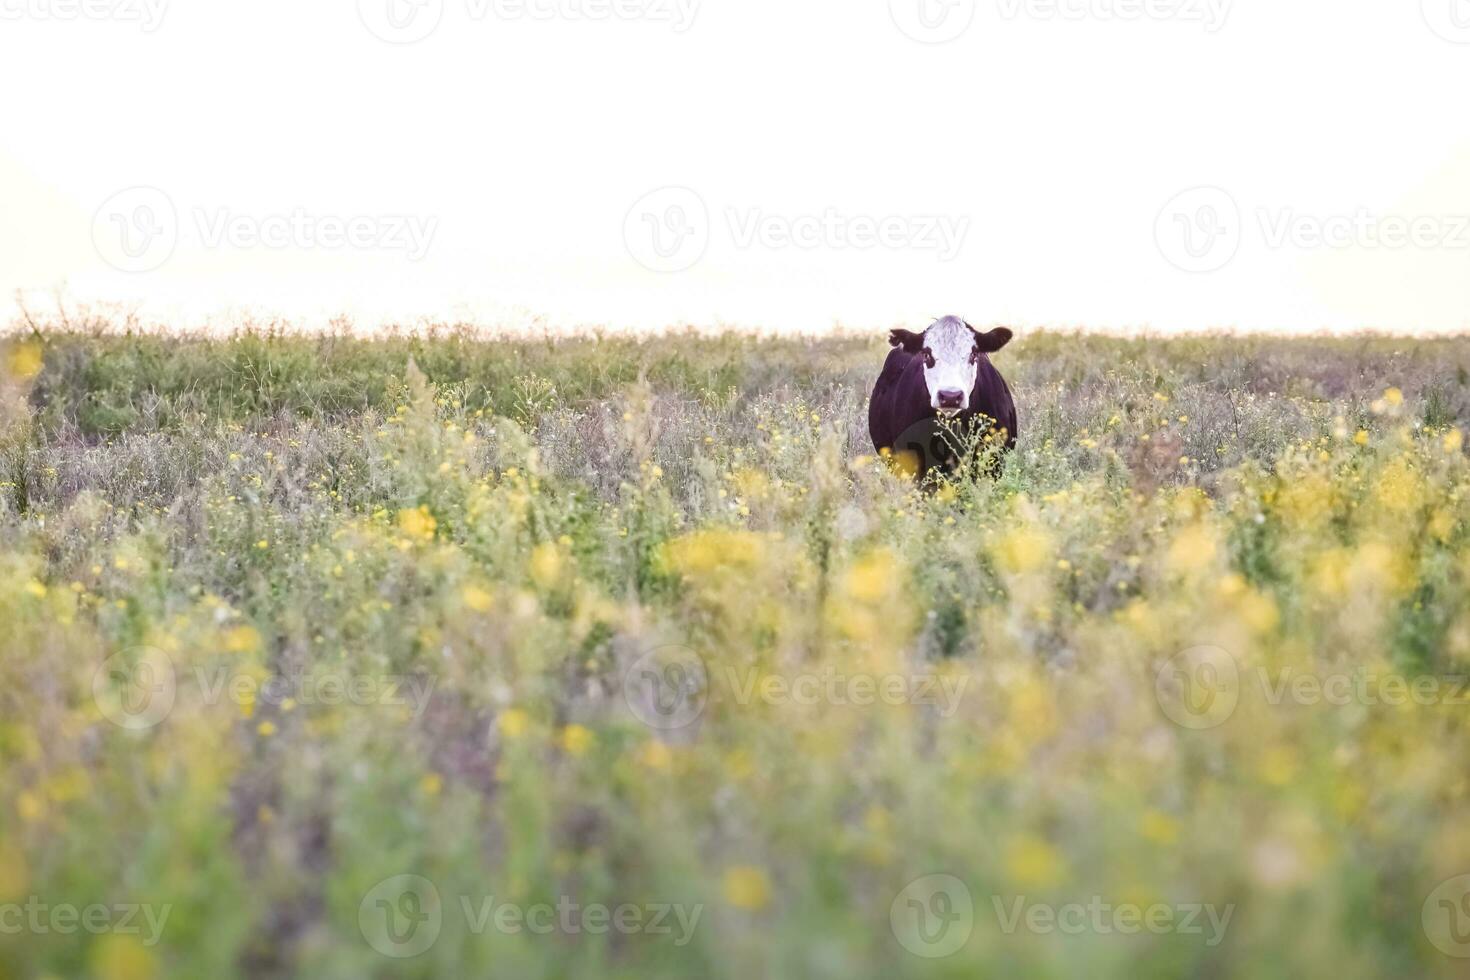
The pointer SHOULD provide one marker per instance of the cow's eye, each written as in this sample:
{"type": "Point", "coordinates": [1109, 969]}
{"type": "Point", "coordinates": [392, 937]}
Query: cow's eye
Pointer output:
{"type": "Point", "coordinates": [975, 355]}
{"type": "Point", "coordinates": [928, 358]}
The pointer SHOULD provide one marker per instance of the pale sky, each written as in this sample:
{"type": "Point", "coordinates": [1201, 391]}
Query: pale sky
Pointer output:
{"type": "Point", "coordinates": [783, 164]}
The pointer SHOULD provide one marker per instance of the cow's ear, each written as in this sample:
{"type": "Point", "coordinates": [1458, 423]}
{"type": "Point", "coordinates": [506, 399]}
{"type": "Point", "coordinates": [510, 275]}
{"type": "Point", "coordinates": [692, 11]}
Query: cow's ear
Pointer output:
{"type": "Point", "coordinates": [911, 342]}
{"type": "Point", "coordinates": [992, 340]}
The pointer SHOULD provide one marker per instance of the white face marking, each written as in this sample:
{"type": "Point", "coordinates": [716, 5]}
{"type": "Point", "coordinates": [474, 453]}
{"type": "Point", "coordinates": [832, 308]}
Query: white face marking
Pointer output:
{"type": "Point", "coordinates": [952, 344]}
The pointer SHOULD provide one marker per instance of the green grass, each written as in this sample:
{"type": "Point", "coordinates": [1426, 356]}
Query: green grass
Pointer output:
{"type": "Point", "coordinates": [418, 598]}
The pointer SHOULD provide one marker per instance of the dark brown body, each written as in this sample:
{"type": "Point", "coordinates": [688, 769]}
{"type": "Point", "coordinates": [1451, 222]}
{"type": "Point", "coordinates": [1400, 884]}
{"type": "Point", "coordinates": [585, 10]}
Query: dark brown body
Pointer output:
{"type": "Point", "coordinates": [901, 401]}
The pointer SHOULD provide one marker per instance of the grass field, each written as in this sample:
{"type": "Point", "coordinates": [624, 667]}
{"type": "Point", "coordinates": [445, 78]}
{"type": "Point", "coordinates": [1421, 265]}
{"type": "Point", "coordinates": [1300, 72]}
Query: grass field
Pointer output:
{"type": "Point", "coordinates": [466, 657]}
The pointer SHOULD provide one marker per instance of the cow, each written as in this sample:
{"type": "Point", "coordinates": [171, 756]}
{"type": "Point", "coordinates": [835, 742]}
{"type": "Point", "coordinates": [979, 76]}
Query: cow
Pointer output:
{"type": "Point", "coordinates": [937, 384]}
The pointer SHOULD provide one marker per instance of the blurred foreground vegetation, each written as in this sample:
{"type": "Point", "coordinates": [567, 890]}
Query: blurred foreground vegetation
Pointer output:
{"type": "Point", "coordinates": [318, 648]}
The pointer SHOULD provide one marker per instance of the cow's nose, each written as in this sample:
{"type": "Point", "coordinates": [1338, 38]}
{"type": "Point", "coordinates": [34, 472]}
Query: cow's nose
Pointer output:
{"type": "Point", "coordinates": [951, 398]}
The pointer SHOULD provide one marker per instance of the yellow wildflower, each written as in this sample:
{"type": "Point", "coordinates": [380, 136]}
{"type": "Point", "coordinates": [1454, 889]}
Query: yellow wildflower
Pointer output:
{"type": "Point", "coordinates": [477, 598]}
{"type": "Point", "coordinates": [24, 360]}
{"type": "Point", "coordinates": [545, 566]}
{"type": "Point", "coordinates": [576, 740]}
{"type": "Point", "coordinates": [513, 722]}
{"type": "Point", "coordinates": [122, 957]}
{"type": "Point", "coordinates": [656, 755]}
{"type": "Point", "coordinates": [417, 523]}
{"type": "Point", "coordinates": [1159, 828]}
{"type": "Point", "coordinates": [1033, 862]}
{"type": "Point", "coordinates": [242, 639]}
{"type": "Point", "coordinates": [747, 887]}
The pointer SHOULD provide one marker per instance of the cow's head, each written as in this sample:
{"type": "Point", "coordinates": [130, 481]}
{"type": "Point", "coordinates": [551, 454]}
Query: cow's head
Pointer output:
{"type": "Point", "coordinates": [951, 350]}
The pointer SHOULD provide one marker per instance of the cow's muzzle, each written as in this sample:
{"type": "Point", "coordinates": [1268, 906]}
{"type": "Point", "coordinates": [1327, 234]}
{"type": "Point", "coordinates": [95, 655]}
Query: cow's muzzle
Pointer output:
{"type": "Point", "coordinates": [950, 400]}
